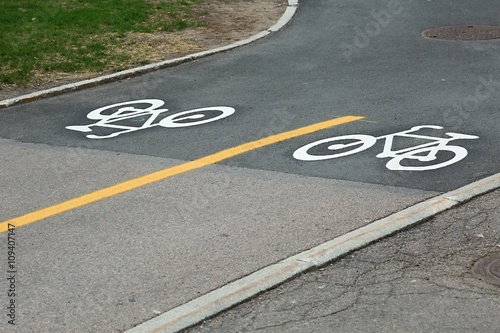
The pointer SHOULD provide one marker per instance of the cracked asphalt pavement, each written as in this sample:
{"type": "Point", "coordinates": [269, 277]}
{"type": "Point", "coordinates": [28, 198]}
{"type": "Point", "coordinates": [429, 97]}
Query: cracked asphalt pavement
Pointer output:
{"type": "Point", "coordinates": [419, 280]}
{"type": "Point", "coordinates": [119, 232]}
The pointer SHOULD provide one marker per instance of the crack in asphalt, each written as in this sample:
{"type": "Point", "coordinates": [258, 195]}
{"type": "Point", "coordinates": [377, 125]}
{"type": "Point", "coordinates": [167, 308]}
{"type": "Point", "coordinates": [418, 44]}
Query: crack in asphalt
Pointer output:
{"type": "Point", "coordinates": [413, 275]}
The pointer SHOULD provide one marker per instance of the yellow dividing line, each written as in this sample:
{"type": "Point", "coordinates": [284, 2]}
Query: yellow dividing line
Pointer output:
{"type": "Point", "coordinates": [168, 172]}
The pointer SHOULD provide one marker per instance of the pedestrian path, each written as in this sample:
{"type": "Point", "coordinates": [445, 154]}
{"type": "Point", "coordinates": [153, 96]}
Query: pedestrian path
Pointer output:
{"type": "Point", "coordinates": [123, 239]}
{"type": "Point", "coordinates": [420, 280]}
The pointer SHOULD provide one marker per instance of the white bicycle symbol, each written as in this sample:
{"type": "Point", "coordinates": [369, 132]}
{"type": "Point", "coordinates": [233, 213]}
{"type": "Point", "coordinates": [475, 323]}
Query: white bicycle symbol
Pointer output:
{"type": "Point", "coordinates": [423, 153]}
{"type": "Point", "coordinates": [119, 116]}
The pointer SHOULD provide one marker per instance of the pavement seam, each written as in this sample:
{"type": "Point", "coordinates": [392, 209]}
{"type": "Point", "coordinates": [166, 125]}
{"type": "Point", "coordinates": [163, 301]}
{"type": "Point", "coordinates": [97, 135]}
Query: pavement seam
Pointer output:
{"type": "Point", "coordinates": [285, 19]}
{"type": "Point", "coordinates": [162, 174]}
{"type": "Point", "coordinates": [236, 292]}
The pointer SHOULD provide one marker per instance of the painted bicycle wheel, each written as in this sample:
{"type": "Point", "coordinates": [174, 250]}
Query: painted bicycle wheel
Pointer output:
{"type": "Point", "coordinates": [342, 146]}
{"type": "Point", "coordinates": [197, 116]}
{"type": "Point", "coordinates": [395, 163]}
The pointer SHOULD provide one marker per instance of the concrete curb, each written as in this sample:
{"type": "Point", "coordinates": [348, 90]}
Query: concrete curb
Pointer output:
{"type": "Point", "coordinates": [269, 277]}
{"type": "Point", "coordinates": [285, 18]}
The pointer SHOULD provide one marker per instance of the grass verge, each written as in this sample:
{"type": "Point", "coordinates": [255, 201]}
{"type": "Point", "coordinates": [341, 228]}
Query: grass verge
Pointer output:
{"type": "Point", "coordinates": [79, 35]}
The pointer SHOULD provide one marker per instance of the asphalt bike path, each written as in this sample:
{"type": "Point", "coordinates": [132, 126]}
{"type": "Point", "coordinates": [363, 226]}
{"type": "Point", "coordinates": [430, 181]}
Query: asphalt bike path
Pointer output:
{"type": "Point", "coordinates": [117, 262]}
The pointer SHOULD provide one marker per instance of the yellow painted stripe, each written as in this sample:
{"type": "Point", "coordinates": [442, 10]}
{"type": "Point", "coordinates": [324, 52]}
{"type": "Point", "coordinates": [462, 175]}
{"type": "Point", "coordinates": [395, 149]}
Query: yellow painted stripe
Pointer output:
{"type": "Point", "coordinates": [168, 172]}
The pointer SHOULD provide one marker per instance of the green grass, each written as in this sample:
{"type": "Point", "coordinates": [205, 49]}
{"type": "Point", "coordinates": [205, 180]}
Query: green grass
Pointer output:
{"type": "Point", "coordinates": [78, 35]}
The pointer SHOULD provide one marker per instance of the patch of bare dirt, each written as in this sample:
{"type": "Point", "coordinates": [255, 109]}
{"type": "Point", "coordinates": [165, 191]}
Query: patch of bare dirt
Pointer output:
{"type": "Point", "coordinates": [225, 21]}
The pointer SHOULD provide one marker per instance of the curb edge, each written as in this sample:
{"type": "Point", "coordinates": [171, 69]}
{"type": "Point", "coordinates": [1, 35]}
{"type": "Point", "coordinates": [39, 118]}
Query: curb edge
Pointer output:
{"type": "Point", "coordinates": [128, 73]}
{"type": "Point", "coordinates": [239, 291]}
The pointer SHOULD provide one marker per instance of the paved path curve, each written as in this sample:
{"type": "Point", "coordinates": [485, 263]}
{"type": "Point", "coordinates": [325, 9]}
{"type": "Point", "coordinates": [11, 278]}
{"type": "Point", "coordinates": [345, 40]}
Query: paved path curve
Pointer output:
{"type": "Point", "coordinates": [112, 264]}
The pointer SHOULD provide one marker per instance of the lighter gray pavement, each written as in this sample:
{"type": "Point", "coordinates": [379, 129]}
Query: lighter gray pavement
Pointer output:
{"type": "Point", "coordinates": [113, 264]}
{"type": "Point", "coordinates": [419, 280]}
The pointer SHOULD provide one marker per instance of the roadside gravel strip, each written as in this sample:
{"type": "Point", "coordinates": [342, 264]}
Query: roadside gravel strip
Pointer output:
{"type": "Point", "coordinates": [286, 17]}
{"type": "Point", "coordinates": [271, 276]}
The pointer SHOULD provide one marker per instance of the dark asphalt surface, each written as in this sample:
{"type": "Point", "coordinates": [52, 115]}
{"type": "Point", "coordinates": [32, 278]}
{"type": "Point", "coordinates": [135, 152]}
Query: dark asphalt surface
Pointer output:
{"type": "Point", "coordinates": [420, 280]}
{"type": "Point", "coordinates": [111, 265]}
{"type": "Point", "coordinates": [302, 75]}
